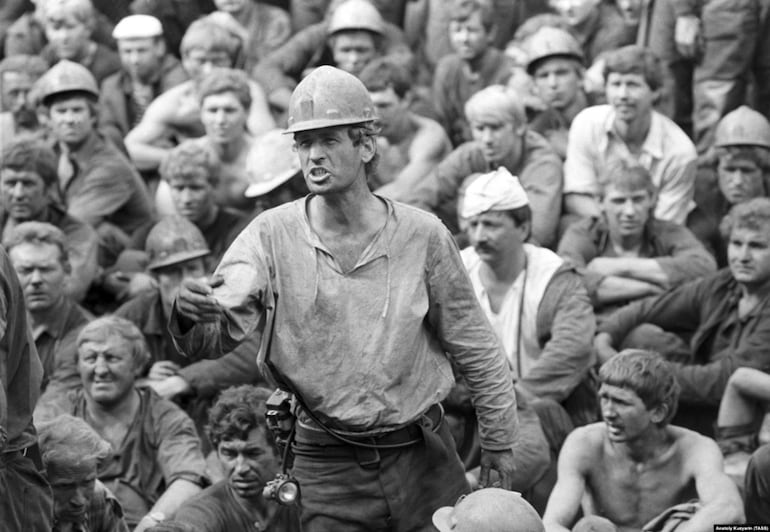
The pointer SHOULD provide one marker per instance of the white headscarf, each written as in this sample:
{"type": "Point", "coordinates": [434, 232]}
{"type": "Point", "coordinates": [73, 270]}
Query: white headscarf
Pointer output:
{"type": "Point", "coordinates": [494, 191]}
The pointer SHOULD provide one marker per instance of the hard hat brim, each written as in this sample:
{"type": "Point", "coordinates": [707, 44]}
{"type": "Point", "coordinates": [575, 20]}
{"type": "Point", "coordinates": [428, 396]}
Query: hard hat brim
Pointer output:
{"type": "Point", "coordinates": [441, 519]}
{"type": "Point", "coordinates": [259, 189]}
{"type": "Point", "coordinates": [176, 258]}
{"type": "Point", "coordinates": [531, 65]}
{"type": "Point", "coordinates": [320, 123]}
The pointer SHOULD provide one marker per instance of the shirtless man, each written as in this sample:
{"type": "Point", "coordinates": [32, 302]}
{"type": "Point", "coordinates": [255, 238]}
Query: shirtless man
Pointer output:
{"type": "Point", "coordinates": [175, 115]}
{"type": "Point", "coordinates": [411, 145]}
{"type": "Point", "coordinates": [634, 467]}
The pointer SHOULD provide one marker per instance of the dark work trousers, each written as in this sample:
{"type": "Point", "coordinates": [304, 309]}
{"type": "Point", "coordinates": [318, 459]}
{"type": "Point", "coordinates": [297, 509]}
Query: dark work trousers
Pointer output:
{"type": "Point", "coordinates": [397, 493]}
{"type": "Point", "coordinates": [757, 487]}
{"type": "Point", "coordinates": [26, 500]}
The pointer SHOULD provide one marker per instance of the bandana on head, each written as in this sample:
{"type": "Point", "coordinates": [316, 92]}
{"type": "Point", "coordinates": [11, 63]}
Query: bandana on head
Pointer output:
{"type": "Point", "coordinates": [495, 191]}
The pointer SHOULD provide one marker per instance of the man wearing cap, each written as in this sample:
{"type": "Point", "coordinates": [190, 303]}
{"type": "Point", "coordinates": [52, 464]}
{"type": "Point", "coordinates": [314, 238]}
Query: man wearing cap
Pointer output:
{"type": "Point", "coordinates": [501, 138]}
{"type": "Point", "coordinates": [411, 145]}
{"type": "Point", "coordinates": [175, 115]}
{"type": "Point", "coordinates": [97, 183]}
{"type": "Point", "coordinates": [489, 510]}
{"type": "Point", "coordinates": [365, 36]}
{"type": "Point", "coordinates": [364, 307]}
{"type": "Point", "coordinates": [147, 71]}
{"type": "Point", "coordinates": [555, 62]}
{"type": "Point", "coordinates": [537, 304]}
{"type": "Point", "coordinates": [741, 158]}
{"type": "Point", "coordinates": [177, 250]}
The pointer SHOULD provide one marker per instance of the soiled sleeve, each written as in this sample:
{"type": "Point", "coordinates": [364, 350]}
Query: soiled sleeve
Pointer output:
{"type": "Point", "coordinates": [464, 333]}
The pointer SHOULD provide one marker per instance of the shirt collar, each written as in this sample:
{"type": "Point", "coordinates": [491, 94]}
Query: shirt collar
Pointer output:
{"type": "Point", "coordinates": [653, 142]}
{"type": "Point", "coordinates": [59, 316]}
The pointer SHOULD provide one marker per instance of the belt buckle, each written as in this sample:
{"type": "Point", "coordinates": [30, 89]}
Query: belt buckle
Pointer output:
{"type": "Point", "coordinates": [368, 457]}
{"type": "Point", "coordinates": [25, 451]}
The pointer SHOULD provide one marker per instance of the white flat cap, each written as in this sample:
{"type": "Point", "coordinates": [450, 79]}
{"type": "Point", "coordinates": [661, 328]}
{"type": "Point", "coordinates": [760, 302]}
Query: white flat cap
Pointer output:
{"type": "Point", "coordinates": [495, 191]}
{"type": "Point", "coordinates": [137, 27]}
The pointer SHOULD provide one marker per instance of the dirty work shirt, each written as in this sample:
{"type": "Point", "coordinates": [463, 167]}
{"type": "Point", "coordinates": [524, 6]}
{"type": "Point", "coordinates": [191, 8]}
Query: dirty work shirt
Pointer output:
{"type": "Point", "coordinates": [367, 349]}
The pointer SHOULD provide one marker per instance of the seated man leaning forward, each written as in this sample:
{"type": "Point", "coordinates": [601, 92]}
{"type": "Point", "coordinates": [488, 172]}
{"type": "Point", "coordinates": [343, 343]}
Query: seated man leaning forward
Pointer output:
{"type": "Point", "coordinates": [634, 471]}
{"type": "Point", "coordinates": [245, 449]}
{"type": "Point", "coordinates": [627, 253]}
{"type": "Point", "coordinates": [725, 315]}
{"type": "Point", "coordinates": [628, 127]}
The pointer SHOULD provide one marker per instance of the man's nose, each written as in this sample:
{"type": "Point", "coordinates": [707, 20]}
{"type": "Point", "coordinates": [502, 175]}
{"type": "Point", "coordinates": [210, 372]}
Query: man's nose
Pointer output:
{"type": "Point", "coordinates": [18, 190]}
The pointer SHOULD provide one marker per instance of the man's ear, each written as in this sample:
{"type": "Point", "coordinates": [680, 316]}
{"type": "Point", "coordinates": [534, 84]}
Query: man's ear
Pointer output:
{"type": "Point", "coordinates": [658, 413]}
{"type": "Point", "coordinates": [368, 148]}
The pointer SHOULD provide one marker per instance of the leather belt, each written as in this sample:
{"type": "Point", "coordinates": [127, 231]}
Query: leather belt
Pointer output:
{"type": "Point", "coordinates": [403, 437]}
{"type": "Point", "coordinates": [32, 452]}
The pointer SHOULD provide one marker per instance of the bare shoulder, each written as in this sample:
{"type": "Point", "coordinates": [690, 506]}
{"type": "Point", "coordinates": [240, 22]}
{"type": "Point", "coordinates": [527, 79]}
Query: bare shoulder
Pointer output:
{"type": "Point", "coordinates": [583, 447]}
{"type": "Point", "coordinates": [166, 104]}
{"type": "Point", "coordinates": [699, 452]}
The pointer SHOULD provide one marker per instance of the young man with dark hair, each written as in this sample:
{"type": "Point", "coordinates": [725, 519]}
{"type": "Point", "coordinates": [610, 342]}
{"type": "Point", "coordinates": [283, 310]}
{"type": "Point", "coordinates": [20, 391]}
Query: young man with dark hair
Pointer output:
{"type": "Point", "coordinates": [627, 253]}
{"type": "Point", "coordinates": [411, 145]}
{"type": "Point", "coordinates": [629, 128]}
{"type": "Point", "coordinates": [669, 466]}
{"type": "Point", "coordinates": [249, 459]}
{"type": "Point", "coordinates": [475, 64]}
{"type": "Point", "coordinates": [29, 186]}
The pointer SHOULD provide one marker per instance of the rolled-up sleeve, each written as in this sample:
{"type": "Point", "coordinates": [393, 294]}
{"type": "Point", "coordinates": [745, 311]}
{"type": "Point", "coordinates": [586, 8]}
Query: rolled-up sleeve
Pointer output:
{"type": "Point", "coordinates": [582, 145]}
{"type": "Point", "coordinates": [179, 449]}
{"type": "Point", "coordinates": [467, 338]}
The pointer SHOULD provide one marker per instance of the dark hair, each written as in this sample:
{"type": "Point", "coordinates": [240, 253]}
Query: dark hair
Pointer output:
{"type": "Point", "coordinates": [386, 72]}
{"type": "Point", "coordinates": [520, 216]}
{"type": "Point", "coordinates": [39, 233]}
{"type": "Point", "coordinates": [753, 214]}
{"type": "Point", "coordinates": [648, 375]}
{"type": "Point", "coordinates": [357, 133]}
{"type": "Point", "coordinates": [189, 160]}
{"type": "Point", "coordinates": [31, 155]}
{"type": "Point", "coordinates": [237, 411]}
{"type": "Point", "coordinates": [461, 10]}
{"type": "Point", "coordinates": [635, 59]}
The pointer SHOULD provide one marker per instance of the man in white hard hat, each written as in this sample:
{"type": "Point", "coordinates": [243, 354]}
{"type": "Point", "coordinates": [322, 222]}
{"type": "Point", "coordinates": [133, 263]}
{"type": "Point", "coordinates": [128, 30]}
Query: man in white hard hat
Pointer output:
{"type": "Point", "coordinates": [147, 71]}
{"type": "Point", "coordinates": [97, 182]}
{"type": "Point", "coordinates": [365, 309]}
{"type": "Point", "coordinates": [555, 62]}
{"type": "Point", "coordinates": [741, 158]}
